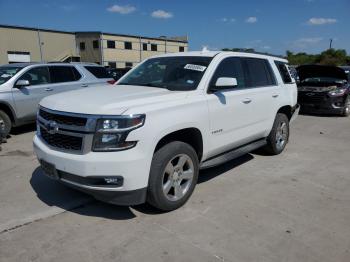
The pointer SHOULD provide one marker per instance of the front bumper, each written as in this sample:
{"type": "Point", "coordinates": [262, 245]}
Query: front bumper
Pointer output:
{"type": "Point", "coordinates": [131, 165]}
{"type": "Point", "coordinates": [321, 102]}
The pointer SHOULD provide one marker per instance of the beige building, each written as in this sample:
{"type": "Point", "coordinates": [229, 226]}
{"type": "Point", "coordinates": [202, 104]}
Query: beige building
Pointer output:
{"type": "Point", "coordinates": [120, 51]}
{"type": "Point", "coordinates": [25, 44]}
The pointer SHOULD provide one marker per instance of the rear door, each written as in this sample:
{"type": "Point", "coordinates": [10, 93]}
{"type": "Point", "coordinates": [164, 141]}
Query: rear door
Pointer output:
{"type": "Point", "coordinates": [27, 98]}
{"type": "Point", "coordinates": [65, 78]}
{"type": "Point", "coordinates": [264, 92]}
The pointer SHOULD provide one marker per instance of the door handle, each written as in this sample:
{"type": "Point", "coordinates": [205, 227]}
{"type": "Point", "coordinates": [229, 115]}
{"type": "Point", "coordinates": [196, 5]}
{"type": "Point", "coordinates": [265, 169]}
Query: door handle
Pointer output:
{"type": "Point", "coordinates": [48, 89]}
{"type": "Point", "coordinates": [84, 85]}
{"type": "Point", "coordinates": [246, 101]}
{"type": "Point", "coordinates": [275, 95]}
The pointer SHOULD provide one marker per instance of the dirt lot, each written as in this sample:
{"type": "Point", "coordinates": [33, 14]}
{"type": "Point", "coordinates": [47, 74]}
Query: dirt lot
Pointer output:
{"type": "Point", "coordinates": [291, 207]}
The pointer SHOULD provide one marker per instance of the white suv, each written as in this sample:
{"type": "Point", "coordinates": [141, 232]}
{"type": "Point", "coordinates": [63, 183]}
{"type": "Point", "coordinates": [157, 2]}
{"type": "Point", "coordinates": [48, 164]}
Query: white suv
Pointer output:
{"type": "Point", "coordinates": [145, 138]}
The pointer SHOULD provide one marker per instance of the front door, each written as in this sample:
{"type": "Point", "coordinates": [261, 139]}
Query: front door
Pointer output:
{"type": "Point", "coordinates": [27, 98]}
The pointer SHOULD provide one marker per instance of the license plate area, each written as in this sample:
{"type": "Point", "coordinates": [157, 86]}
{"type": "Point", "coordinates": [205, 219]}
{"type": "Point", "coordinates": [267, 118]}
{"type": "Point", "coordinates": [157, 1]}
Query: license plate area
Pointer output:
{"type": "Point", "coordinates": [49, 169]}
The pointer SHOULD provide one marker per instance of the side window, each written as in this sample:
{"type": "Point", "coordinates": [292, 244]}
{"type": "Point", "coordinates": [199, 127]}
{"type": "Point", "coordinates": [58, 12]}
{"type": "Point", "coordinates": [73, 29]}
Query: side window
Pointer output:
{"type": "Point", "coordinates": [76, 74]}
{"type": "Point", "coordinates": [98, 71]}
{"type": "Point", "coordinates": [61, 74]}
{"type": "Point", "coordinates": [259, 72]}
{"type": "Point", "coordinates": [230, 67]}
{"type": "Point", "coordinates": [284, 71]}
{"type": "Point", "coordinates": [37, 76]}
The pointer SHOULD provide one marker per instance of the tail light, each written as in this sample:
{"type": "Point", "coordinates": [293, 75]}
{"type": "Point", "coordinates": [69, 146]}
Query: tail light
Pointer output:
{"type": "Point", "coordinates": [112, 82]}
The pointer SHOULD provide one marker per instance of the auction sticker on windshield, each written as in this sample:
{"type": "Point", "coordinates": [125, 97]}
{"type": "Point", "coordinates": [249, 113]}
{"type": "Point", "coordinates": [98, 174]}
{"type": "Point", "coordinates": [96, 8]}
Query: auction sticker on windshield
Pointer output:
{"type": "Point", "coordinates": [195, 67]}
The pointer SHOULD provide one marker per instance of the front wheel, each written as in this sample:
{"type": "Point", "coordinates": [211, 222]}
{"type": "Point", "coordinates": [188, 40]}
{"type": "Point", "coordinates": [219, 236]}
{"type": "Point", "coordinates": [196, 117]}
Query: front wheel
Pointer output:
{"type": "Point", "coordinates": [346, 110]}
{"type": "Point", "coordinates": [279, 135]}
{"type": "Point", "coordinates": [5, 124]}
{"type": "Point", "coordinates": [173, 176]}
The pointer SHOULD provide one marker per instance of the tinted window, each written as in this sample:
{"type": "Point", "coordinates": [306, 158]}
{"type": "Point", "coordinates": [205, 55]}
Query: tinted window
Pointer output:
{"type": "Point", "coordinates": [76, 73]}
{"type": "Point", "coordinates": [283, 69]}
{"type": "Point", "coordinates": [259, 72]}
{"type": "Point", "coordinates": [82, 45]}
{"type": "Point", "coordinates": [95, 44]}
{"type": "Point", "coordinates": [144, 47]}
{"type": "Point", "coordinates": [153, 47]}
{"type": "Point", "coordinates": [181, 49]}
{"type": "Point", "coordinates": [37, 76]}
{"type": "Point", "coordinates": [230, 67]}
{"type": "Point", "coordinates": [60, 74]}
{"type": "Point", "coordinates": [98, 71]}
{"type": "Point", "coordinates": [127, 45]}
{"type": "Point", "coordinates": [110, 44]}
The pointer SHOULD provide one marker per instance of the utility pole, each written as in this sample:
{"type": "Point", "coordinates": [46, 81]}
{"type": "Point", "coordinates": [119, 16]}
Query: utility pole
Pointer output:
{"type": "Point", "coordinates": [330, 43]}
{"type": "Point", "coordinates": [40, 46]}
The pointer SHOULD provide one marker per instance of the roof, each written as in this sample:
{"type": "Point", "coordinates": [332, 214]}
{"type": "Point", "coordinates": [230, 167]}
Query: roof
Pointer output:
{"type": "Point", "coordinates": [49, 63]}
{"type": "Point", "coordinates": [136, 36]}
{"type": "Point", "coordinates": [35, 29]}
{"type": "Point", "coordinates": [90, 32]}
{"type": "Point", "coordinates": [208, 53]}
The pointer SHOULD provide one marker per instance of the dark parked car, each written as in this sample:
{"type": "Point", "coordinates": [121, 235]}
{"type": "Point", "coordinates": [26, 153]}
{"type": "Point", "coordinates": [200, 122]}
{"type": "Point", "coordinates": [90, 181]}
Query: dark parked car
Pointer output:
{"type": "Point", "coordinates": [323, 89]}
{"type": "Point", "coordinates": [117, 73]}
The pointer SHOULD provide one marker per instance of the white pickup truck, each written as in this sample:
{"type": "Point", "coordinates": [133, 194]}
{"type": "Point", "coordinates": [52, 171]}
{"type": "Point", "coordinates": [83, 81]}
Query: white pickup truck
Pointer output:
{"type": "Point", "coordinates": [146, 137]}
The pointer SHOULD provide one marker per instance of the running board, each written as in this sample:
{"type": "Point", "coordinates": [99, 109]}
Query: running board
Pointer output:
{"type": "Point", "coordinates": [240, 151]}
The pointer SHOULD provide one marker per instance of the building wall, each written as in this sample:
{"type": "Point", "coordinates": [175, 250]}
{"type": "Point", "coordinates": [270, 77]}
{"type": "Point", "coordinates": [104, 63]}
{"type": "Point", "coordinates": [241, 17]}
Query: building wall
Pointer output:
{"type": "Point", "coordinates": [121, 56]}
{"type": "Point", "coordinates": [90, 54]}
{"type": "Point", "coordinates": [55, 45]}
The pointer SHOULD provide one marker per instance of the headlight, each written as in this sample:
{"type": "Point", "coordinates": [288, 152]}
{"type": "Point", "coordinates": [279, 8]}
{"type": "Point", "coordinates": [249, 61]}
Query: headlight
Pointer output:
{"type": "Point", "coordinates": [337, 92]}
{"type": "Point", "coordinates": [111, 133]}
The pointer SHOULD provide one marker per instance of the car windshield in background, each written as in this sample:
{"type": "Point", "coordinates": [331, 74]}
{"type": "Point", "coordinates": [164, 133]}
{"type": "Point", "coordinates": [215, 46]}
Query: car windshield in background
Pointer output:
{"type": "Point", "coordinates": [6, 73]}
{"type": "Point", "coordinates": [178, 73]}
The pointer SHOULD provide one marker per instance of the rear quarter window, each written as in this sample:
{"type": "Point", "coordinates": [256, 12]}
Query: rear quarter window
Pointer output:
{"type": "Point", "coordinates": [259, 72]}
{"type": "Point", "coordinates": [284, 72]}
{"type": "Point", "coordinates": [98, 71]}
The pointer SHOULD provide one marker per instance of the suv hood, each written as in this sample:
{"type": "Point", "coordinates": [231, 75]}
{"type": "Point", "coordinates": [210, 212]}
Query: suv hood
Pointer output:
{"type": "Point", "coordinates": [308, 71]}
{"type": "Point", "coordinates": [109, 100]}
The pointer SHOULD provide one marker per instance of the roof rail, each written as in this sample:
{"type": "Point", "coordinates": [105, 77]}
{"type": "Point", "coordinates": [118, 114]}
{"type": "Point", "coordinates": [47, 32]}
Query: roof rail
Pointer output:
{"type": "Point", "coordinates": [253, 52]}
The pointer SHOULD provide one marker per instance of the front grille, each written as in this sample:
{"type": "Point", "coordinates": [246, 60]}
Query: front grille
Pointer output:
{"type": "Point", "coordinates": [63, 119]}
{"type": "Point", "coordinates": [316, 97]}
{"type": "Point", "coordinates": [62, 141]}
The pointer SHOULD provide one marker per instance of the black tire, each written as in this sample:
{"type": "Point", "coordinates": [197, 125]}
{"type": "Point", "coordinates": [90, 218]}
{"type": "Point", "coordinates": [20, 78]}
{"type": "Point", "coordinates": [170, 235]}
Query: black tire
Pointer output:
{"type": "Point", "coordinates": [159, 176]}
{"type": "Point", "coordinates": [346, 110]}
{"type": "Point", "coordinates": [5, 124]}
{"type": "Point", "coordinates": [274, 144]}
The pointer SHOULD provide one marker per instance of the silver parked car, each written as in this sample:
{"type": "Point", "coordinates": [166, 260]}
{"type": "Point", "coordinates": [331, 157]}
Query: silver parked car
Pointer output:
{"type": "Point", "coordinates": [23, 85]}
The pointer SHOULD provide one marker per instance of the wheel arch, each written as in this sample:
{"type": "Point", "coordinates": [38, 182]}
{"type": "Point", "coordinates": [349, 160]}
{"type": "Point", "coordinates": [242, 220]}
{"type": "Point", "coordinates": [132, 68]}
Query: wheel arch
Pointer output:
{"type": "Point", "coordinates": [8, 110]}
{"type": "Point", "coordinates": [191, 136]}
{"type": "Point", "coordinates": [287, 110]}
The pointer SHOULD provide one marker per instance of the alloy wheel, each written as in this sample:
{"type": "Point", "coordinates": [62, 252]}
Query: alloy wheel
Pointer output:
{"type": "Point", "coordinates": [178, 177]}
{"type": "Point", "coordinates": [281, 135]}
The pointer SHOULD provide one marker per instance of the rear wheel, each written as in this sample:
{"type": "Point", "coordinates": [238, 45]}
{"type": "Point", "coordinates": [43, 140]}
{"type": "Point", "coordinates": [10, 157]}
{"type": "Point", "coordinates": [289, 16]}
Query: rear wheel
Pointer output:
{"type": "Point", "coordinates": [5, 124]}
{"type": "Point", "coordinates": [346, 110]}
{"type": "Point", "coordinates": [173, 176]}
{"type": "Point", "coordinates": [279, 135]}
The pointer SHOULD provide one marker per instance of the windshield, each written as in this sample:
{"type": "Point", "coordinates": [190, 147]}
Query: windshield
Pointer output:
{"type": "Point", "coordinates": [178, 73]}
{"type": "Point", "coordinates": [6, 73]}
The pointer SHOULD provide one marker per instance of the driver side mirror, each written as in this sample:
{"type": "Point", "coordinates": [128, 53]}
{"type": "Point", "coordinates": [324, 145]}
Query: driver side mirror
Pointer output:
{"type": "Point", "coordinates": [224, 83]}
{"type": "Point", "coordinates": [22, 83]}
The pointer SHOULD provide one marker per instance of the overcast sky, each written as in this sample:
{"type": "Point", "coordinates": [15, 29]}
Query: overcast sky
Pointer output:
{"type": "Point", "coordinates": [272, 25]}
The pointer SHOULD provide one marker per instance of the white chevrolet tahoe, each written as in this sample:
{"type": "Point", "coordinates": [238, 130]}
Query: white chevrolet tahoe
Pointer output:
{"type": "Point", "coordinates": [146, 137]}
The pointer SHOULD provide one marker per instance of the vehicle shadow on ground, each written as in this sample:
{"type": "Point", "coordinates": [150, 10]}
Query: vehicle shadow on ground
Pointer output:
{"type": "Point", "coordinates": [23, 129]}
{"type": "Point", "coordinates": [315, 114]}
{"type": "Point", "coordinates": [55, 194]}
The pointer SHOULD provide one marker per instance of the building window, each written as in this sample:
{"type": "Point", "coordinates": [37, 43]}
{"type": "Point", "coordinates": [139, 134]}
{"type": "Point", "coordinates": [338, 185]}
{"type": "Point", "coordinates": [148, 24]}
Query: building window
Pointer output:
{"type": "Point", "coordinates": [153, 47]}
{"type": "Point", "coordinates": [82, 45]}
{"type": "Point", "coordinates": [127, 45]}
{"type": "Point", "coordinates": [112, 64]}
{"type": "Point", "coordinates": [110, 44]}
{"type": "Point", "coordinates": [144, 47]}
{"type": "Point", "coordinates": [95, 44]}
{"type": "Point", "coordinates": [18, 56]}
{"type": "Point", "coordinates": [128, 64]}
{"type": "Point", "coordinates": [181, 49]}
